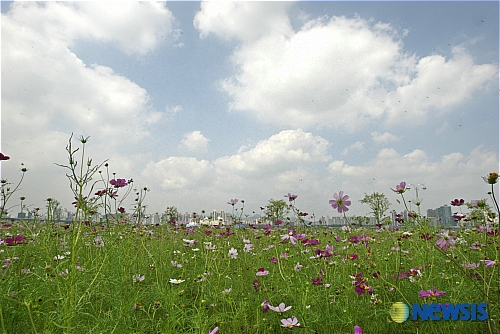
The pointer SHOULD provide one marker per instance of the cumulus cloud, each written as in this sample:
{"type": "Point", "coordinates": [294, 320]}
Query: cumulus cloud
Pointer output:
{"type": "Point", "coordinates": [337, 72]}
{"type": "Point", "coordinates": [276, 154]}
{"type": "Point", "coordinates": [48, 92]}
{"type": "Point", "coordinates": [176, 173]}
{"type": "Point", "coordinates": [286, 160]}
{"type": "Point", "coordinates": [452, 175]}
{"type": "Point", "coordinates": [242, 20]}
{"type": "Point", "coordinates": [356, 146]}
{"type": "Point", "coordinates": [47, 87]}
{"type": "Point", "coordinates": [383, 138]}
{"type": "Point", "coordinates": [195, 141]}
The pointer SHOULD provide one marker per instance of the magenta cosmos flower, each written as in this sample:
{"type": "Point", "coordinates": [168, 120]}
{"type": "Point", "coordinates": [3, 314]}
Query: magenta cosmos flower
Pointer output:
{"type": "Point", "coordinates": [431, 293]}
{"type": "Point", "coordinates": [445, 240]}
{"type": "Point", "coordinates": [340, 202]}
{"type": "Point", "coordinates": [290, 322]}
{"type": "Point", "coordinates": [291, 197]}
{"type": "Point", "coordinates": [118, 183]}
{"type": "Point", "coordinates": [4, 157]}
{"type": "Point", "coordinates": [457, 202]}
{"type": "Point", "coordinates": [400, 188]}
{"type": "Point", "coordinates": [17, 240]}
{"type": "Point", "coordinates": [358, 330]}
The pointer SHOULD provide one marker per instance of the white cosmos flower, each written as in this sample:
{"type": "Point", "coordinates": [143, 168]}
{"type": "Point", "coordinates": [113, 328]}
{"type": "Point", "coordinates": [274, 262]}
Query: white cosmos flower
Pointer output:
{"type": "Point", "coordinates": [176, 281]}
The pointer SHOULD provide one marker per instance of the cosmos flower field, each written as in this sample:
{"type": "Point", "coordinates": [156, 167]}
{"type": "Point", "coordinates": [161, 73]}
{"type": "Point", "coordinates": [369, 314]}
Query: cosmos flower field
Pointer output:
{"type": "Point", "coordinates": [126, 277]}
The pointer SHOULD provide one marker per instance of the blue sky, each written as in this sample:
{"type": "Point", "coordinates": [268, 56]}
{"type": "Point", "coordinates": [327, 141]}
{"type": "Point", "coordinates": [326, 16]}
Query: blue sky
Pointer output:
{"type": "Point", "coordinates": [204, 102]}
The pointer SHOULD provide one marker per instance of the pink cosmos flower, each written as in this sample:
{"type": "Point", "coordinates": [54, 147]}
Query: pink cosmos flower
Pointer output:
{"type": "Point", "coordinates": [280, 309]}
{"type": "Point", "coordinates": [290, 322]}
{"type": "Point", "coordinates": [340, 202]}
{"type": "Point", "coordinates": [445, 240]}
{"type": "Point", "coordinates": [431, 293]}
{"type": "Point", "coordinates": [215, 330]}
{"type": "Point", "coordinates": [400, 188]}
{"type": "Point", "coordinates": [489, 263]}
{"type": "Point", "coordinates": [233, 201]}
{"type": "Point", "coordinates": [262, 272]}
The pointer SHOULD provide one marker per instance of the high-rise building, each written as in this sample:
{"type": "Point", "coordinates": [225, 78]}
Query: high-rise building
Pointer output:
{"type": "Point", "coordinates": [442, 216]}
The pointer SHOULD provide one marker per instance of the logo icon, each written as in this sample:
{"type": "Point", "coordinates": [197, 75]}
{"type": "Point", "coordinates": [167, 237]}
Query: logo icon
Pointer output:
{"type": "Point", "coordinates": [399, 312]}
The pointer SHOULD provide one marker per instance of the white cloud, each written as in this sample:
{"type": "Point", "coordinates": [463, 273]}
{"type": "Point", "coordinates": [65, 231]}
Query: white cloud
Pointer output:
{"type": "Point", "coordinates": [195, 141]}
{"type": "Point", "coordinates": [453, 175]}
{"type": "Point", "coordinates": [176, 173]}
{"type": "Point", "coordinates": [279, 153]}
{"type": "Point", "coordinates": [438, 83]}
{"type": "Point", "coordinates": [134, 27]}
{"type": "Point", "coordinates": [286, 161]}
{"type": "Point", "coordinates": [345, 73]}
{"type": "Point", "coordinates": [356, 146]}
{"type": "Point", "coordinates": [382, 138]}
{"type": "Point", "coordinates": [242, 20]}
{"type": "Point", "coordinates": [49, 93]}
{"type": "Point", "coordinates": [46, 87]}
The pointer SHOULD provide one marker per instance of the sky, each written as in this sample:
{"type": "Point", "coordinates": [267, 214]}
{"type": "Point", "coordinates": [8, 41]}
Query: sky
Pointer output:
{"type": "Point", "coordinates": [206, 102]}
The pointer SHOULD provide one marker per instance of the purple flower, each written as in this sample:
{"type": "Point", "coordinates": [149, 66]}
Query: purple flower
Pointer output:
{"type": "Point", "coordinates": [138, 278]}
{"type": "Point", "coordinates": [274, 260]}
{"type": "Point", "coordinates": [358, 330]}
{"type": "Point", "coordinates": [457, 202]}
{"type": "Point", "coordinates": [4, 157]}
{"type": "Point", "coordinates": [262, 272]}
{"type": "Point", "coordinates": [265, 306]}
{"type": "Point", "coordinates": [318, 280]}
{"type": "Point", "coordinates": [340, 202]}
{"type": "Point", "coordinates": [215, 330]}
{"type": "Point", "coordinates": [445, 240]}
{"type": "Point", "coordinates": [101, 192]}
{"type": "Point", "coordinates": [118, 183]}
{"type": "Point", "coordinates": [17, 240]}
{"type": "Point", "coordinates": [431, 293]}
{"type": "Point", "coordinates": [291, 197]}
{"type": "Point", "coordinates": [290, 322]}
{"type": "Point", "coordinates": [233, 201]}
{"type": "Point", "coordinates": [489, 263]}
{"type": "Point", "coordinates": [281, 308]}
{"type": "Point", "coordinates": [400, 188]}
{"type": "Point", "coordinates": [256, 285]}
{"type": "Point", "coordinates": [79, 202]}
{"type": "Point", "coordinates": [480, 203]}
{"type": "Point", "coordinates": [121, 209]}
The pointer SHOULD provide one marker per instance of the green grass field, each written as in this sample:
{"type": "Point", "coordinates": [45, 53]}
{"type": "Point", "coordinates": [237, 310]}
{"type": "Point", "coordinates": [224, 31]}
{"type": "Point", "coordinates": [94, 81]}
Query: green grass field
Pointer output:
{"type": "Point", "coordinates": [121, 278]}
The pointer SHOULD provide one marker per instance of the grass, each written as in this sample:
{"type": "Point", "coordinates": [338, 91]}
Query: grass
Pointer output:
{"type": "Point", "coordinates": [80, 279]}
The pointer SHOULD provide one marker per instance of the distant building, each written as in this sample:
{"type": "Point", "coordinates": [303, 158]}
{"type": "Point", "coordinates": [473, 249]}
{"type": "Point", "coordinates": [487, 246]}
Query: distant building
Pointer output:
{"type": "Point", "coordinates": [442, 216]}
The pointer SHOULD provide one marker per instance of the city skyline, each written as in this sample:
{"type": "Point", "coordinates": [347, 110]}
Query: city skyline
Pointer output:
{"type": "Point", "coordinates": [207, 102]}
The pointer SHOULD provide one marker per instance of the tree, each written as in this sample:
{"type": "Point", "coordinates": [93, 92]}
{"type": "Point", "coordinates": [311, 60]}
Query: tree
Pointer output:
{"type": "Point", "coordinates": [378, 203]}
{"type": "Point", "coordinates": [276, 209]}
{"type": "Point", "coordinates": [171, 214]}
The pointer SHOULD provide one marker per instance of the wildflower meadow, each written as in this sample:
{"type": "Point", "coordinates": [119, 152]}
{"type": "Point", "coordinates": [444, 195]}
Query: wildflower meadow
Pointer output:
{"type": "Point", "coordinates": [119, 275]}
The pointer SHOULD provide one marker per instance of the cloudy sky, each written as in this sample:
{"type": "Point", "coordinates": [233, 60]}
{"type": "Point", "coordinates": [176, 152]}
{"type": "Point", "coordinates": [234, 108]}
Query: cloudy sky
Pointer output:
{"type": "Point", "coordinates": [205, 102]}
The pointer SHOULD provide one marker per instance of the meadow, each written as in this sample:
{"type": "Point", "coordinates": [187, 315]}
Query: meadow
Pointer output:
{"type": "Point", "coordinates": [121, 276]}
